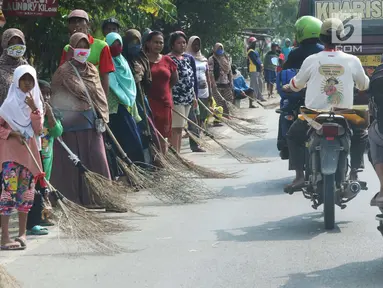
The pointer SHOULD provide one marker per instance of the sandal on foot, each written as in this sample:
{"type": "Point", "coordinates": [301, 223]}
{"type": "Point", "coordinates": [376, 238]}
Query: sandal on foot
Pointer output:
{"type": "Point", "coordinates": [22, 242]}
{"type": "Point", "coordinates": [38, 230]}
{"type": "Point", "coordinates": [291, 188]}
{"type": "Point", "coordinates": [377, 201]}
{"type": "Point", "coordinates": [46, 223]}
{"type": "Point", "coordinates": [12, 247]}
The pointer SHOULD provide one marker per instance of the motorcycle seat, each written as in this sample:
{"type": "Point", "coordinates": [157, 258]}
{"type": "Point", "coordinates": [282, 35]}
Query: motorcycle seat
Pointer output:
{"type": "Point", "coordinates": [358, 117]}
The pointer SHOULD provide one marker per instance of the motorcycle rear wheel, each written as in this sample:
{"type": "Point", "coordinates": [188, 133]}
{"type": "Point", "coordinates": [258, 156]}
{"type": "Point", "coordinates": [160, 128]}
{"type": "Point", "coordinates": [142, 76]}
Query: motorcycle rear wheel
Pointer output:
{"type": "Point", "coordinates": [329, 201]}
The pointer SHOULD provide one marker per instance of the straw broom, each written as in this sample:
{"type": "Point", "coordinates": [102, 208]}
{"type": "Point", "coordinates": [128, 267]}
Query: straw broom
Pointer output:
{"type": "Point", "coordinates": [232, 108]}
{"type": "Point", "coordinates": [164, 184]}
{"type": "Point", "coordinates": [112, 194]}
{"type": "Point", "coordinates": [241, 129]}
{"type": "Point", "coordinates": [7, 280]}
{"type": "Point", "coordinates": [199, 141]}
{"type": "Point", "coordinates": [235, 154]}
{"type": "Point", "coordinates": [175, 159]}
{"type": "Point", "coordinates": [80, 225]}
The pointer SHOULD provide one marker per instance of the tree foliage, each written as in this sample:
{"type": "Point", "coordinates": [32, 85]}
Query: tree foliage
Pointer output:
{"type": "Point", "coordinates": [280, 14]}
{"type": "Point", "coordinates": [212, 20]}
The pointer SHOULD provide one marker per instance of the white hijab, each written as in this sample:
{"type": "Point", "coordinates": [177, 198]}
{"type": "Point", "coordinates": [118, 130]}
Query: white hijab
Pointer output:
{"type": "Point", "coordinates": [14, 109]}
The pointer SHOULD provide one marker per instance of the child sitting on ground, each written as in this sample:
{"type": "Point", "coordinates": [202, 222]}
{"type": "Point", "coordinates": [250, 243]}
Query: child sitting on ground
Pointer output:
{"type": "Point", "coordinates": [218, 111]}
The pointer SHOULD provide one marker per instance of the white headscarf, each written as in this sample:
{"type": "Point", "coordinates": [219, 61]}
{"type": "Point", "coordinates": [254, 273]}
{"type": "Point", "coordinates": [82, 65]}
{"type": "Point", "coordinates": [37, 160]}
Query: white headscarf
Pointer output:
{"type": "Point", "coordinates": [14, 109]}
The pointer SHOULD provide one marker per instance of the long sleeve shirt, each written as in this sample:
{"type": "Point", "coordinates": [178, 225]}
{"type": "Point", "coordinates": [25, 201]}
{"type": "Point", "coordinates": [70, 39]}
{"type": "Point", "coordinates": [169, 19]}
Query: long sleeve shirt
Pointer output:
{"type": "Point", "coordinates": [239, 84]}
{"type": "Point", "coordinates": [330, 78]}
{"type": "Point", "coordinates": [255, 59]}
{"type": "Point", "coordinates": [11, 148]}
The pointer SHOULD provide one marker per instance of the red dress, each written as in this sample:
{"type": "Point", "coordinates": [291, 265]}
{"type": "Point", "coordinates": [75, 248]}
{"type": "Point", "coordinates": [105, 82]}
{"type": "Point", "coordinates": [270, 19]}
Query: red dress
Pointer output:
{"type": "Point", "coordinates": [160, 96]}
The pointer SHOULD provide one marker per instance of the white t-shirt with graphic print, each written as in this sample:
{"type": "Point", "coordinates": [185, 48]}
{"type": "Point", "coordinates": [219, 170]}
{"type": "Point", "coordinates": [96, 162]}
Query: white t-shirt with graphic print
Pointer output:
{"type": "Point", "coordinates": [330, 77]}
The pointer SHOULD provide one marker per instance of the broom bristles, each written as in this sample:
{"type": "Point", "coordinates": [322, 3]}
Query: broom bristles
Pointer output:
{"type": "Point", "coordinates": [84, 227]}
{"type": "Point", "coordinates": [7, 280]}
{"type": "Point", "coordinates": [200, 142]}
{"type": "Point", "coordinates": [242, 129]}
{"type": "Point", "coordinates": [167, 185]}
{"type": "Point", "coordinates": [203, 172]}
{"type": "Point", "coordinates": [111, 194]}
{"type": "Point", "coordinates": [238, 155]}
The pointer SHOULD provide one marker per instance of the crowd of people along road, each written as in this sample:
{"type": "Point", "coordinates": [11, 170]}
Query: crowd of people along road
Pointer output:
{"type": "Point", "coordinates": [123, 81]}
{"type": "Point", "coordinates": [272, 63]}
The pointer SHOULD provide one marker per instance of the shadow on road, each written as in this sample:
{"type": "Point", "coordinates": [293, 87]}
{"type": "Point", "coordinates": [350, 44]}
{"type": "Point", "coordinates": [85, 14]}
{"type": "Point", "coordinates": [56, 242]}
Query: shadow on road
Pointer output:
{"type": "Point", "coordinates": [356, 274]}
{"type": "Point", "coordinates": [301, 227]}
{"type": "Point", "coordinates": [265, 188]}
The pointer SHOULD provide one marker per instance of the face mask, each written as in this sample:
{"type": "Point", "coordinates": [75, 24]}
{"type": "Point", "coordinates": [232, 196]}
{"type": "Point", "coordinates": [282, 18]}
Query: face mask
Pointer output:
{"type": "Point", "coordinates": [115, 50]}
{"type": "Point", "coordinates": [134, 49]}
{"type": "Point", "coordinates": [16, 51]}
{"type": "Point", "coordinates": [81, 55]}
{"type": "Point", "coordinates": [219, 52]}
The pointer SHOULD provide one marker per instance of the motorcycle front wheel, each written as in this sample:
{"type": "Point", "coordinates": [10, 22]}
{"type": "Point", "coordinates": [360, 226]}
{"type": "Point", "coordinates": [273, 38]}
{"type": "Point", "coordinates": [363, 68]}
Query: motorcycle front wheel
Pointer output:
{"type": "Point", "coordinates": [329, 201]}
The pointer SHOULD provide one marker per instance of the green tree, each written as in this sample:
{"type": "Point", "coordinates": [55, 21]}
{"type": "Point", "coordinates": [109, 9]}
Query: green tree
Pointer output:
{"type": "Point", "coordinates": [280, 14]}
{"type": "Point", "coordinates": [46, 36]}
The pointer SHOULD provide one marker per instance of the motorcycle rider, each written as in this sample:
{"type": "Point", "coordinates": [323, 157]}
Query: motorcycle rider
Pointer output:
{"type": "Point", "coordinates": [330, 76]}
{"type": "Point", "coordinates": [307, 30]}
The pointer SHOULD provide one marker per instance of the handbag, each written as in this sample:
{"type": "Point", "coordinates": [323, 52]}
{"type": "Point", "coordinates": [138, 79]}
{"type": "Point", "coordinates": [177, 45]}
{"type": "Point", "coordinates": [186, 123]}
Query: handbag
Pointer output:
{"type": "Point", "coordinates": [99, 123]}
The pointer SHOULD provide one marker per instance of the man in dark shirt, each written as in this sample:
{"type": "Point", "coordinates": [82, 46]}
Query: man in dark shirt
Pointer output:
{"type": "Point", "coordinates": [298, 55]}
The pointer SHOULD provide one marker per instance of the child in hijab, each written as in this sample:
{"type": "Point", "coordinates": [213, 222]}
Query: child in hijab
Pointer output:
{"type": "Point", "coordinates": [38, 215]}
{"type": "Point", "coordinates": [21, 123]}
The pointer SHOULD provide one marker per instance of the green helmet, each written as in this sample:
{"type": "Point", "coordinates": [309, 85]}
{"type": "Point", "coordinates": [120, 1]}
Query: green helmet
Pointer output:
{"type": "Point", "coordinates": [307, 27]}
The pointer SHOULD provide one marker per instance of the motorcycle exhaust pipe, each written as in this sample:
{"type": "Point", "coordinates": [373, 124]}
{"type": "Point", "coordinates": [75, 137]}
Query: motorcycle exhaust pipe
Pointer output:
{"type": "Point", "coordinates": [353, 188]}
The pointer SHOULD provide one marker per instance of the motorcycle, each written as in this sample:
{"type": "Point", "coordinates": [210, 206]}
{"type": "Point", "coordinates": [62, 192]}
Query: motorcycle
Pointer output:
{"type": "Point", "coordinates": [327, 179]}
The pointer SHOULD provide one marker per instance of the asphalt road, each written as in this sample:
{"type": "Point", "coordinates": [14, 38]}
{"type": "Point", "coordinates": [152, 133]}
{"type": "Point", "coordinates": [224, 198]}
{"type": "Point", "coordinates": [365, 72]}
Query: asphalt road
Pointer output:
{"type": "Point", "coordinates": [252, 235]}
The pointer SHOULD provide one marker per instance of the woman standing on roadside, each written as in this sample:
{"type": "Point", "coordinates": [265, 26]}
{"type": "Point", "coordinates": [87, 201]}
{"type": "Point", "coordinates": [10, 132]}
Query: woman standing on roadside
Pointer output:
{"type": "Point", "coordinates": [70, 97]}
{"type": "Point", "coordinates": [13, 44]}
{"type": "Point", "coordinates": [221, 77]}
{"type": "Point", "coordinates": [204, 87]}
{"type": "Point", "coordinates": [186, 90]}
{"type": "Point", "coordinates": [140, 66]}
{"type": "Point", "coordinates": [123, 111]}
{"type": "Point", "coordinates": [164, 77]}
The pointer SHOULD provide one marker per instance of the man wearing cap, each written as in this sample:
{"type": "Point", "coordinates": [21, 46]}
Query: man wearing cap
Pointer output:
{"type": "Point", "coordinates": [330, 77]}
{"type": "Point", "coordinates": [78, 21]}
{"type": "Point", "coordinates": [255, 69]}
{"type": "Point", "coordinates": [110, 25]}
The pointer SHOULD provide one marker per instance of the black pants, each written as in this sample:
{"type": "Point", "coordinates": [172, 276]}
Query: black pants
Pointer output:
{"type": "Point", "coordinates": [34, 215]}
{"type": "Point", "coordinates": [193, 129]}
{"type": "Point", "coordinates": [297, 135]}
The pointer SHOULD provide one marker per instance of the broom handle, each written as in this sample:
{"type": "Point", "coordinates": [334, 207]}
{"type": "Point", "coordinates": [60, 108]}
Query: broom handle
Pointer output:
{"type": "Point", "coordinates": [119, 148]}
{"type": "Point", "coordinates": [71, 154]}
{"type": "Point", "coordinates": [208, 110]}
{"type": "Point", "coordinates": [163, 139]}
{"type": "Point", "coordinates": [75, 159]}
{"type": "Point", "coordinates": [57, 193]}
{"type": "Point", "coordinates": [33, 156]}
{"type": "Point", "coordinates": [191, 122]}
